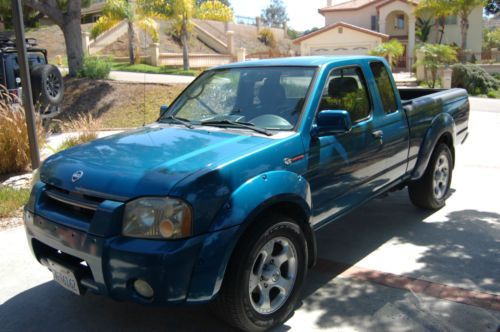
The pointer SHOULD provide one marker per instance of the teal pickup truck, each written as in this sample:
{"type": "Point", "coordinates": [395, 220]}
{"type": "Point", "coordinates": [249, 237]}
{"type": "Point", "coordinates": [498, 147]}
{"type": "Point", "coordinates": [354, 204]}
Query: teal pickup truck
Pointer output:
{"type": "Point", "coordinates": [219, 199]}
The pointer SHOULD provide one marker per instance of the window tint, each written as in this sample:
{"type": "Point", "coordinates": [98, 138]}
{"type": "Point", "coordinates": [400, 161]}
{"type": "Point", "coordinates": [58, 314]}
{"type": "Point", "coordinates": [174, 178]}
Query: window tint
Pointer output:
{"type": "Point", "coordinates": [385, 88]}
{"type": "Point", "coordinates": [346, 90]}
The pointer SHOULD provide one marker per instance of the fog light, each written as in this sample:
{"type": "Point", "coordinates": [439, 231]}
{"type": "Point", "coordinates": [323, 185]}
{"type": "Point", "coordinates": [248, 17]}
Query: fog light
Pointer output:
{"type": "Point", "coordinates": [143, 288]}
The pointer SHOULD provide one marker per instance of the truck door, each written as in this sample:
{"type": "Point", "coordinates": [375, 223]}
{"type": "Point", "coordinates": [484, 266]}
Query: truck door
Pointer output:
{"type": "Point", "coordinates": [391, 125]}
{"type": "Point", "coordinates": [340, 167]}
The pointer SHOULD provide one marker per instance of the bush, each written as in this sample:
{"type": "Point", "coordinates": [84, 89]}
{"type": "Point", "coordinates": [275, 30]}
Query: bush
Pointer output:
{"type": "Point", "coordinates": [14, 144]}
{"type": "Point", "coordinates": [11, 200]}
{"type": "Point", "coordinates": [392, 49]}
{"type": "Point", "coordinates": [95, 68]}
{"type": "Point", "coordinates": [266, 37]}
{"type": "Point", "coordinates": [435, 56]}
{"type": "Point", "coordinates": [474, 79]}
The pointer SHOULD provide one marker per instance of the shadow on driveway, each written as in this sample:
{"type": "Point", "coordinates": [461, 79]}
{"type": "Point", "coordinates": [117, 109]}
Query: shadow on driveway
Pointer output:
{"type": "Point", "coordinates": [462, 250]}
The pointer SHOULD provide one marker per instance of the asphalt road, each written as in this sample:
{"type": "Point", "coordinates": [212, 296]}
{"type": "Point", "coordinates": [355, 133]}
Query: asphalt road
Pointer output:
{"type": "Point", "coordinates": [385, 267]}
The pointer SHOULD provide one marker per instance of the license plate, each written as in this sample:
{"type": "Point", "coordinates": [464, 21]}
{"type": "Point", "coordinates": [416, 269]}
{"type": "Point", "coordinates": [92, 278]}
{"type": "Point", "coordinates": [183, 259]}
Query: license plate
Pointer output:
{"type": "Point", "coordinates": [64, 277]}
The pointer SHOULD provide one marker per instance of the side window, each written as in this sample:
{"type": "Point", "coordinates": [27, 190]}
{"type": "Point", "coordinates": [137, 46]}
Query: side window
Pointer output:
{"type": "Point", "coordinates": [384, 86]}
{"type": "Point", "coordinates": [346, 90]}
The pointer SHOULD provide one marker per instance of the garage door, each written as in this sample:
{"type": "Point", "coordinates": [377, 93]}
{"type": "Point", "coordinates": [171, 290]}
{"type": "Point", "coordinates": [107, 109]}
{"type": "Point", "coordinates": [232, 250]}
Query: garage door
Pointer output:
{"type": "Point", "coordinates": [340, 50]}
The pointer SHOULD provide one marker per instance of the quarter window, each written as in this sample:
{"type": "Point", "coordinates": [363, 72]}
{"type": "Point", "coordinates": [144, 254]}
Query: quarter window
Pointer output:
{"type": "Point", "coordinates": [346, 90]}
{"type": "Point", "coordinates": [384, 86]}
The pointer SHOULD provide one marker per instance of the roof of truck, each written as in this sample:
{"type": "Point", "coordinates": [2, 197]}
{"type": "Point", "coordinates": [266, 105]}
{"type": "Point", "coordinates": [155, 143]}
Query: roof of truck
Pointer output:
{"type": "Point", "coordinates": [302, 61]}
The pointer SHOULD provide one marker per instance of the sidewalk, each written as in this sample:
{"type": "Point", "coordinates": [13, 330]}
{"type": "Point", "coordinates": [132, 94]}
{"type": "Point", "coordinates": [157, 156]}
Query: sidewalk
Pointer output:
{"type": "Point", "coordinates": [125, 76]}
{"type": "Point", "coordinates": [150, 78]}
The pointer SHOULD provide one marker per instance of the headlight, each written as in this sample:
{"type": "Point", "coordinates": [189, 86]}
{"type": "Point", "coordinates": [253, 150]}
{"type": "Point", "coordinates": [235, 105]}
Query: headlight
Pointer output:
{"type": "Point", "coordinates": [157, 218]}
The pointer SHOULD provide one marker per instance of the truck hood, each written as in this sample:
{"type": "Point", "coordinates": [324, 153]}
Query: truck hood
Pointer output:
{"type": "Point", "coordinates": [143, 162]}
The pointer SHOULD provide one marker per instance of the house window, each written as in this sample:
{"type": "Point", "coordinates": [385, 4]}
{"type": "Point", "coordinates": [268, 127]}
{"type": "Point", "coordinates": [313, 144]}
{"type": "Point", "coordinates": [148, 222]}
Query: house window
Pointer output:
{"type": "Point", "coordinates": [341, 30]}
{"type": "Point", "coordinates": [399, 22]}
{"type": "Point", "coordinates": [374, 23]}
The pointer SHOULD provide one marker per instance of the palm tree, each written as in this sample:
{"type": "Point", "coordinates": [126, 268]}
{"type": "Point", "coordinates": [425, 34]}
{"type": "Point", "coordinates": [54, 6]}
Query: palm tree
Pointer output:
{"type": "Point", "coordinates": [391, 50]}
{"type": "Point", "coordinates": [463, 8]}
{"type": "Point", "coordinates": [116, 11]}
{"type": "Point", "coordinates": [439, 9]}
{"type": "Point", "coordinates": [183, 11]}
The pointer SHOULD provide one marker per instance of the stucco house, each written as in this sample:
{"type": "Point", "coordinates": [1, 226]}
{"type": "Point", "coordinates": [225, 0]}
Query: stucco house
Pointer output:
{"type": "Point", "coordinates": [356, 26]}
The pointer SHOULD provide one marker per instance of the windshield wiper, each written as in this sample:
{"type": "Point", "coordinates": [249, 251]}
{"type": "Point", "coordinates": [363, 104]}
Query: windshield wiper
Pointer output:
{"type": "Point", "coordinates": [237, 124]}
{"type": "Point", "coordinates": [181, 121]}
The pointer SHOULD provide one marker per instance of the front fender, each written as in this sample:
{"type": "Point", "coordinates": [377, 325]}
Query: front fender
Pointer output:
{"type": "Point", "coordinates": [441, 124]}
{"type": "Point", "coordinates": [230, 223]}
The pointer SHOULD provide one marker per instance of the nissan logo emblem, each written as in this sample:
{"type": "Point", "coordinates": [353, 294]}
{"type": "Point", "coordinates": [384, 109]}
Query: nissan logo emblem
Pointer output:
{"type": "Point", "coordinates": [76, 176]}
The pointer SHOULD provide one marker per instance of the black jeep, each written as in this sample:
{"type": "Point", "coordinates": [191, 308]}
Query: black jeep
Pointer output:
{"type": "Point", "coordinates": [46, 80]}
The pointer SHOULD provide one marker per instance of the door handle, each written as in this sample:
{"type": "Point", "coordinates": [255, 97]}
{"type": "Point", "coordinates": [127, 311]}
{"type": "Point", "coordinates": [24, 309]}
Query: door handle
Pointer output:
{"type": "Point", "coordinates": [378, 135]}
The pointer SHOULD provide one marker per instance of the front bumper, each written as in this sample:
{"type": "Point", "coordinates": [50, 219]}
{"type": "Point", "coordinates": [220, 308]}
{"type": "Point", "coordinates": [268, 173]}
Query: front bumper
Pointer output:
{"type": "Point", "coordinates": [113, 264]}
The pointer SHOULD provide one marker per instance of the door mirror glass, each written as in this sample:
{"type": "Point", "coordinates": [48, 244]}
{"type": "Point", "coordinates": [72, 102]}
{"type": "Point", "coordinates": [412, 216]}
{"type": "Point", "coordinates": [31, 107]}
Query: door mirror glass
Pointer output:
{"type": "Point", "coordinates": [163, 110]}
{"type": "Point", "coordinates": [331, 122]}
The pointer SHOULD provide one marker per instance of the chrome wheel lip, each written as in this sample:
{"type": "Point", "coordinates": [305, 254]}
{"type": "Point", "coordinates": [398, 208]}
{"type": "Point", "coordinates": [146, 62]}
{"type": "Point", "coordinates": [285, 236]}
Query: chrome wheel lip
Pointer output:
{"type": "Point", "coordinates": [441, 176]}
{"type": "Point", "coordinates": [267, 282]}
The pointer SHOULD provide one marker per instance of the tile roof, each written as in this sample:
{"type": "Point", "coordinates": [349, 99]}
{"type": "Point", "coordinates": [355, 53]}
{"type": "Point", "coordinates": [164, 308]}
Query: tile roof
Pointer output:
{"type": "Point", "coordinates": [342, 24]}
{"type": "Point", "coordinates": [357, 4]}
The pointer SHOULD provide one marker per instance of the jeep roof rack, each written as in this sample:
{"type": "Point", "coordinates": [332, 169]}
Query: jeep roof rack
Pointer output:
{"type": "Point", "coordinates": [8, 42]}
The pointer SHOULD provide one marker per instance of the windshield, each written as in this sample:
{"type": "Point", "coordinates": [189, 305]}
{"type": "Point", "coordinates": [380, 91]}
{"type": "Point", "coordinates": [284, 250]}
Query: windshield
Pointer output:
{"type": "Point", "coordinates": [270, 98]}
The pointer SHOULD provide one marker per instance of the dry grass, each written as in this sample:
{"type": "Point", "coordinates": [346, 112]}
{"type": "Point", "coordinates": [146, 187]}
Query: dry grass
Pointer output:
{"type": "Point", "coordinates": [14, 144]}
{"type": "Point", "coordinates": [85, 125]}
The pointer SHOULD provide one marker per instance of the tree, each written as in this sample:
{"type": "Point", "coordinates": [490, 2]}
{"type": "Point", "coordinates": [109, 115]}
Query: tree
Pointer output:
{"type": "Point", "coordinates": [463, 8]}
{"type": "Point", "coordinates": [183, 11]}
{"type": "Point", "coordinates": [275, 14]}
{"type": "Point", "coordinates": [31, 17]}
{"type": "Point", "coordinates": [437, 9]}
{"type": "Point", "coordinates": [214, 10]}
{"type": "Point", "coordinates": [391, 50]}
{"type": "Point", "coordinates": [116, 11]}
{"type": "Point", "coordinates": [67, 15]}
{"type": "Point", "coordinates": [434, 56]}
{"type": "Point", "coordinates": [224, 2]}
{"type": "Point", "coordinates": [423, 29]}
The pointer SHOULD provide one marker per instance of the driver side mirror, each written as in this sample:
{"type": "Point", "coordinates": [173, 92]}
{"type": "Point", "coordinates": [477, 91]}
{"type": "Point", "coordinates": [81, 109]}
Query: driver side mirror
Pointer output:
{"type": "Point", "coordinates": [331, 122]}
{"type": "Point", "coordinates": [163, 110]}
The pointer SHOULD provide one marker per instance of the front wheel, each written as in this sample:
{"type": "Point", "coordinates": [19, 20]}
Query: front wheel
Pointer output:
{"type": "Point", "coordinates": [430, 191]}
{"type": "Point", "coordinates": [264, 277]}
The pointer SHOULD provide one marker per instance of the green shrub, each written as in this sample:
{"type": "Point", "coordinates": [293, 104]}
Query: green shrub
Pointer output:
{"type": "Point", "coordinates": [95, 68]}
{"type": "Point", "coordinates": [11, 200]}
{"type": "Point", "coordinates": [434, 57]}
{"type": "Point", "coordinates": [392, 49]}
{"type": "Point", "coordinates": [474, 79]}
{"type": "Point", "coordinates": [266, 37]}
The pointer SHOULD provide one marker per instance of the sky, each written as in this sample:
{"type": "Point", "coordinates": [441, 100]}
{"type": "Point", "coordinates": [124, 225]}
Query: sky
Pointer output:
{"type": "Point", "coordinates": [303, 14]}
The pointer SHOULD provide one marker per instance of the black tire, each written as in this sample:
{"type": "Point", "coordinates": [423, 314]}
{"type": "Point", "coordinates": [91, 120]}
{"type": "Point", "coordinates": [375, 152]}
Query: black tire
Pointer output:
{"type": "Point", "coordinates": [234, 304]}
{"type": "Point", "coordinates": [47, 85]}
{"type": "Point", "coordinates": [423, 192]}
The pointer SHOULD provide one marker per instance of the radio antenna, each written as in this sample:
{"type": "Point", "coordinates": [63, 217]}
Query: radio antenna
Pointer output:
{"type": "Point", "coordinates": [144, 102]}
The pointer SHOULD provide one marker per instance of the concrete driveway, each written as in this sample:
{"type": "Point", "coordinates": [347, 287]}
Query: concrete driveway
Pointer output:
{"type": "Point", "coordinates": [385, 267]}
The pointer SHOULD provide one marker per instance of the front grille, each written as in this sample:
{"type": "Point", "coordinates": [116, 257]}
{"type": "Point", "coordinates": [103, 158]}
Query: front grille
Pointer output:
{"type": "Point", "coordinates": [72, 204]}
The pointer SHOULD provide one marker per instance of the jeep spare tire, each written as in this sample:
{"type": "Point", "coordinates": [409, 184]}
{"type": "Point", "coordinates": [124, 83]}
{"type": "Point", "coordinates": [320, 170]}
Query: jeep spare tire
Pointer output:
{"type": "Point", "coordinates": [47, 85]}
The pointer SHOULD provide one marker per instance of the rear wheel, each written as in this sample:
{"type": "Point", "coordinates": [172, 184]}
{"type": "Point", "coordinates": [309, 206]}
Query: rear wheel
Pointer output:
{"type": "Point", "coordinates": [431, 191]}
{"type": "Point", "coordinates": [263, 280]}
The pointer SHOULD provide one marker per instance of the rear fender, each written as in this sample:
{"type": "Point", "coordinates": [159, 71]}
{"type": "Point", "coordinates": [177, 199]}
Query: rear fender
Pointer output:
{"type": "Point", "coordinates": [441, 125]}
